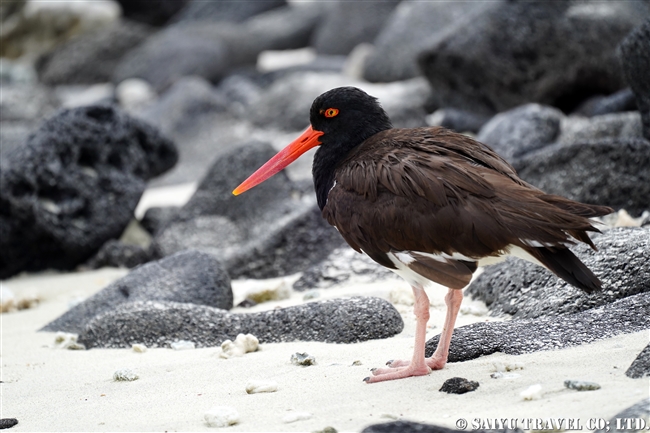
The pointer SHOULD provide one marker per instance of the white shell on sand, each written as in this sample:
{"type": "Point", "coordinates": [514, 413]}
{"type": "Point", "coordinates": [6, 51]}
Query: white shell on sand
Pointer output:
{"type": "Point", "coordinates": [256, 386]}
{"type": "Point", "coordinates": [242, 344]}
{"type": "Point", "coordinates": [182, 345]}
{"type": "Point", "coordinates": [67, 340]}
{"type": "Point", "coordinates": [296, 416]}
{"type": "Point", "coordinates": [510, 366]}
{"type": "Point", "coordinates": [125, 375]}
{"type": "Point", "coordinates": [221, 416]}
{"type": "Point", "coordinates": [139, 348]}
{"type": "Point", "coordinates": [533, 392]}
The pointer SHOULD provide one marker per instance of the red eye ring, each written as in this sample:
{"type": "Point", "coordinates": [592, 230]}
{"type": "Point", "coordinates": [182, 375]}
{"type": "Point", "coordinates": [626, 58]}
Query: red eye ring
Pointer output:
{"type": "Point", "coordinates": [331, 112]}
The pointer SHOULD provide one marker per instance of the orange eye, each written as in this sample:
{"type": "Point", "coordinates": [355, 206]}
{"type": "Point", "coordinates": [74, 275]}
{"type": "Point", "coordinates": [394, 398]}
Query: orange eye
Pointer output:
{"type": "Point", "coordinates": [331, 112]}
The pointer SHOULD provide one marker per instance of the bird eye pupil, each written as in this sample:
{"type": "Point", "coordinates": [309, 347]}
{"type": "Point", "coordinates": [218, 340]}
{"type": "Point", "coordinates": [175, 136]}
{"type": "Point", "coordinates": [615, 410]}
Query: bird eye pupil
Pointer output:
{"type": "Point", "coordinates": [331, 112]}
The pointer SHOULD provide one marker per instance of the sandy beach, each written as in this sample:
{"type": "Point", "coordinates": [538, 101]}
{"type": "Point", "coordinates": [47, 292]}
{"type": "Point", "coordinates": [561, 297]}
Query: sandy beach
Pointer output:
{"type": "Point", "coordinates": [50, 389]}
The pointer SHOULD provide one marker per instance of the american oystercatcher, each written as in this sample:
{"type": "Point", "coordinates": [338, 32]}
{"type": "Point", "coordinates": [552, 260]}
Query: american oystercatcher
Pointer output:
{"type": "Point", "coordinates": [431, 205]}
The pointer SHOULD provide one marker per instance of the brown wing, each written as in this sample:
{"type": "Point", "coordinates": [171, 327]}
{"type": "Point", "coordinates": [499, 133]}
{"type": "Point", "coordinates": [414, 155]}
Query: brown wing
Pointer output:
{"type": "Point", "coordinates": [435, 191]}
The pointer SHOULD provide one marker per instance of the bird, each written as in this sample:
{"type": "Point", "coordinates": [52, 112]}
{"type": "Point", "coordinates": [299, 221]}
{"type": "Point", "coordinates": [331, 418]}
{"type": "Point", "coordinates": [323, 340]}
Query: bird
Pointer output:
{"type": "Point", "coordinates": [431, 205]}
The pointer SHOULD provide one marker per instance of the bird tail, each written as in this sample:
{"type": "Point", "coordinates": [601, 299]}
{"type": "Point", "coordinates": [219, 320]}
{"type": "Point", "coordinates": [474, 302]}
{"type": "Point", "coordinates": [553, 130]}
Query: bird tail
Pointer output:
{"type": "Point", "coordinates": [563, 263]}
{"type": "Point", "coordinates": [576, 208]}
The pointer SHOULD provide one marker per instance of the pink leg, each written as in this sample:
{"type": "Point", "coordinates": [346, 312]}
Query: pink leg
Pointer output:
{"type": "Point", "coordinates": [453, 299]}
{"type": "Point", "coordinates": [398, 369]}
{"type": "Point", "coordinates": [417, 366]}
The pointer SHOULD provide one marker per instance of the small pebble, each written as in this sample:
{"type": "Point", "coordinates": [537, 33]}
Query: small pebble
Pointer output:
{"type": "Point", "coordinates": [242, 344]}
{"type": "Point", "coordinates": [183, 345]}
{"type": "Point", "coordinates": [356, 363]}
{"type": "Point", "coordinates": [221, 416]}
{"type": "Point", "coordinates": [8, 422]}
{"type": "Point", "coordinates": [257, 386]}
{"type": "Point", "coordinates": [581, 385]}
{"type": "Point", "coordinates": [326, 430]}
{"type": "Point", "coordinates": [311, 294]}
{"type": "Point", "coordinates": [501, 375]}
{"type": "Point", "coordinates": [296, 416]}
{"type": "Point", "coordinates": [533, 392]}
{"type": "Point", "coordinates": [139, 348]}
{"type": "Point", "coordinates": [458, 385]}
{"type": "Point", "coordinates": [302, 359]}
{"type": "Point", "coordinates": [501, 366]}
{"type": "Point", "coordinates": [125, 375]}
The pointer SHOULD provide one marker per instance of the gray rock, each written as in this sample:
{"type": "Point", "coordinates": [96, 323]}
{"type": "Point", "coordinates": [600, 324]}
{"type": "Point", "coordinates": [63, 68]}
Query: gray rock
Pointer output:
{"type": "Point", "coordinates": [617, 102]}
{"type": "Point", "coordinates": [616, 126]}
{"type": "Point", "coordinates": [266, 232]}
{"type": "Point", "coordinates": [641, 365]}
{"type": "Point", "coordinates": [458, 385]}
{"type": "Point", "coordinates": [303, 241]}
{"type": "Point", "coordinates": [524, 290]}
{"type": "Point", "coordinates": [13, 135]}
{"type": "Point", "coordinates": [457, 120]}
{"type": "Point", "coordinates": [118, 254]}
{"type": "Point", "coordinates": [189, 277]}
{"type": "Point", "coordinates": [342, 265]}
{"type": "Point", "coordinates": [195, 115]}
{"type": "Point", "coordinates": [176, 52]}
{"type": "Point", "coordinates": [91, 58]}
{"type": "Point", "coordinates": [74, 185]}
{"type": "Point", "coordinates": [181, 107]}
{"type": "Point", "coordinates": [157, 324]}
{"type": "Point", "coordinates": [347, 24]}
{"type": "Point", "coordinates": [8, 422]}
{"type": "Point", "coordinates": [553, 53]}
{"type": "Point", "coordinates": [218, 11]}
{"type": "Point", "coordinates": [612, 172]}
{"type": "Point", "coordinates": [294, 94]}
{"type": "Point", "coordinates": [634, 419]}
{"type": "Point", "coordinates": [634, 53]}
{"type": "Point", "coordinates": [627, 315]}
{"type": "Point", "coordinates": [26, 102]}
{"type": "Point", "coordinates": [581, 385]}
{"type": "Point", "coordinates": [413, 27]}
{"type": "Point", "coordinates": [156, 218]}
{"type": "Point", "coordinates": [521, 130]}
{"type": "Point", "coordinates": [141, 10]}
{"type": "Point", "coordinates": [414, 427]}
{"type": "Point", "coordinates": [212, 51]}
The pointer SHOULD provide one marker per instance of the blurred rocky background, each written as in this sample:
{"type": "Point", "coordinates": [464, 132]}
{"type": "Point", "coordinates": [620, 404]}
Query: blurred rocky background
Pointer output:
{"type": "Point", "coordinates": [103, 101]}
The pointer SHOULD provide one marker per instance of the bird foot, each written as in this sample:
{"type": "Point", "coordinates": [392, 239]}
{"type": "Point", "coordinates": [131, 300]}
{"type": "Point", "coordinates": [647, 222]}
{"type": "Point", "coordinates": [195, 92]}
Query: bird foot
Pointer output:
{"type": "Point", "coordinates": [434, 363]}
{"type": "Point", "coordinates": [391, 373]}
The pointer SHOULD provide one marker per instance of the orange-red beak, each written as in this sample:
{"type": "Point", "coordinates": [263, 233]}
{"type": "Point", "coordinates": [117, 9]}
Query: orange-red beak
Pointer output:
{"type": "Point", "coordinates": [308, 140]}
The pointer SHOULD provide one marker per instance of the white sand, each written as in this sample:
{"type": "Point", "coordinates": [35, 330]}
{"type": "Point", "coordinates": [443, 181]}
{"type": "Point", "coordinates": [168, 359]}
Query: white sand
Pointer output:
{"type": "Point", "coordinates": [50, 389]}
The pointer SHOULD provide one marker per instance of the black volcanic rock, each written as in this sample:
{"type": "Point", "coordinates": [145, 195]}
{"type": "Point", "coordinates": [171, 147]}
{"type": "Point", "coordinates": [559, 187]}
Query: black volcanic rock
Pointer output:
{"type": "Point", "coordinates": [641, 365]}
{"type": "Point", "coordinates": [217, 11]}
{"type": "Point", "coordinates": [458, 385]}
{"type": "Point", "coordinates": [174, 53]}
{"type": "Point", "coordinates": [142, 10]}
{"type": "Point", "coordinates": [118, 254]}
{"type": "Point", "coordinates": [414, 427]}
{"type": "Point", "coordinates": [266, 232]}
{"type": "Point", "coordinates": [413, 27]}
{"type": "Point", "coordinates": [339, 267]}
{"type": "Point", "coordinates": [634, 53]}
{"type": "Point", "coordinates": [92, 57]}
{"type": "Point", "coordinates": [347, 24]}
{"type": "Point", "coordinates": [553, 53]}
{"type": "Point", "coordinates": [188, 277]}
{"type": "Point", "coordinates": [627, 420]}
{"type": "Point", "coordinates": [158, 324]}
{"type": "Point", "coordinates": [74, 185]}
{"type": "Point", "coordinates": [514, 337]}
{"type": "Point", "coordinates": [526, 291]}
{"type": "Point", "coordinates": [612, 172]}
{"type": "Point", "coordinates": [521, 130]}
